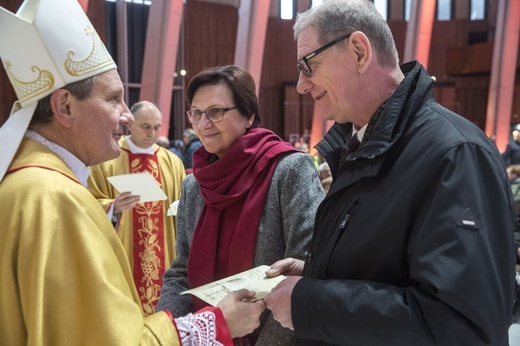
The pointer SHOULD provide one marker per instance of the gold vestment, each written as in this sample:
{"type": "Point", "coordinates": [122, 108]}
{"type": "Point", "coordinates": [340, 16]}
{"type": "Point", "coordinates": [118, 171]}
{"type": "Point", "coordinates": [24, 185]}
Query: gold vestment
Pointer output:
{"type": "Point", "coordinates": [64, 275]}
{"type": "Point", "coordinates": [147, 233]}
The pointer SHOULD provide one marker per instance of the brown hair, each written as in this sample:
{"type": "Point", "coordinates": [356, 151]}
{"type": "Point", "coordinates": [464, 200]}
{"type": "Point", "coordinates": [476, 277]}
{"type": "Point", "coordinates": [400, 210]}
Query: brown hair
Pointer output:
{"type": "Point", "coordinates": [238, 80]}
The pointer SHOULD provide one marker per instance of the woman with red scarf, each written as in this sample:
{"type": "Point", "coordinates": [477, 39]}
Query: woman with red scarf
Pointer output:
{"type": "Point", "coordinates": [251, 199]}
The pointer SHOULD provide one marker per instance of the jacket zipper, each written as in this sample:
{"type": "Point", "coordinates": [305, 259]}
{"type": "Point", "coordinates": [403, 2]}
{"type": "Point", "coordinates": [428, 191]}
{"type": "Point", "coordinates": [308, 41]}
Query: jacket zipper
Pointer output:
{"type": "Point", "coordinates": [345, 220]}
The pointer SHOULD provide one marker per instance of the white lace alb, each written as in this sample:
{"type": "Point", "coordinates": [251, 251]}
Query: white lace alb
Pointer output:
{"type": "Point", "coordinates": [198, 329]}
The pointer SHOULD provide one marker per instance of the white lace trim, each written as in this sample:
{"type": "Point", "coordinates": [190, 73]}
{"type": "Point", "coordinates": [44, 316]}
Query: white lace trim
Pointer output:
{"type": "Point", "coordinates": [198, 329]}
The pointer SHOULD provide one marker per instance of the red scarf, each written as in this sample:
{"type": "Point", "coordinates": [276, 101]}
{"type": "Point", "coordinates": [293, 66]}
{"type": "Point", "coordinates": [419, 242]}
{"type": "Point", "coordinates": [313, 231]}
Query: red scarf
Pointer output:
{"type": "Point", "coordinates": [234, 189]}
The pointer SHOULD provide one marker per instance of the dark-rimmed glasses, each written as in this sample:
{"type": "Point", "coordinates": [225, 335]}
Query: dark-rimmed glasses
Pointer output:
{"type": "Point", "coordinates": [303, 63]}
{"type": "Point", "coordinates": [212, 114]}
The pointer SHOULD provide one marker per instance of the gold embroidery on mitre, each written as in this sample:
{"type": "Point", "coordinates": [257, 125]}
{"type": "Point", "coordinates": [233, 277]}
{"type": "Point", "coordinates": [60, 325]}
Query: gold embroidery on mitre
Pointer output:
{"type": "Point", "coordinates": [97, 58]}
{"type": "Point", "coordinates": [28, 90]}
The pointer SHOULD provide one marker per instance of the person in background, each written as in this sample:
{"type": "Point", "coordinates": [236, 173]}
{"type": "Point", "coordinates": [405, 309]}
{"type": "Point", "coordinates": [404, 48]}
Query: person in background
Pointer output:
{"type": "Point", "coordinates": [513, 174]}
{"type": "Point", "coordinates": [163, 142]}
{"type": "Point", "coordinates": [511, 155]}
{"type": "Point", "coordinates": [303, 146]}
{"type": "Point", "coordinates": [325, 176]}
{"type": "Point", "coordinates": [324, 170]}
{"type": "Point", "coordinates": [326, 183]}
{"type": "Point", "coordinates": [147, 232]}
{"type": "Point", "coordinates": [251, 199]}
{"type": "Point", "coordinates": [413, 244]}
{"type": "Point", "coordinates": [191, 143]}
{"type": "Point", "coordinates": [64, 275]}
{"type": "Point", "coordinates": [177, 147]}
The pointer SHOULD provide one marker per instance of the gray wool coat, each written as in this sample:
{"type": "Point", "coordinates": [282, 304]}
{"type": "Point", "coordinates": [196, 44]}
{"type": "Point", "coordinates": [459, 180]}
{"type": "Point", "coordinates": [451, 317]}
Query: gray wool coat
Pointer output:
{"type": "Point", "coordinates": [285, 230]}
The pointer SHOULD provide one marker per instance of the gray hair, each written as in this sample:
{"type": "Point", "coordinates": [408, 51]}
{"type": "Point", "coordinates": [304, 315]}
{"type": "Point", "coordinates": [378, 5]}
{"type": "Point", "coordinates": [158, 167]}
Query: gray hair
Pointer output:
{"type": "Point", "coordinates": [334, 18]}
{"type": "Point", "coordinates": [190, 134]}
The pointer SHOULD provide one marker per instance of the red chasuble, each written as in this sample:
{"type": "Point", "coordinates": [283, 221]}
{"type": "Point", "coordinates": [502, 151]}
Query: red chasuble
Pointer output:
{"type": "Point", "coordinates": [148, 234]}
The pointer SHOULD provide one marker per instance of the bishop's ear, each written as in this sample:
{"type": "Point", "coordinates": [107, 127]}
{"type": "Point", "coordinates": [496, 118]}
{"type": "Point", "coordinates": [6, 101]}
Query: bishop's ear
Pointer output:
{"type": "Point", "coordinates": [61, 104]}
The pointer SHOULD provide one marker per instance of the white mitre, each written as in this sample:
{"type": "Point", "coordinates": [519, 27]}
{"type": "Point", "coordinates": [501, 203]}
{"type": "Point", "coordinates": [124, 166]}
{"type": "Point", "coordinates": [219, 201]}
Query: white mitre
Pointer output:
{"type": "Point", "coordinates": [46, 45]}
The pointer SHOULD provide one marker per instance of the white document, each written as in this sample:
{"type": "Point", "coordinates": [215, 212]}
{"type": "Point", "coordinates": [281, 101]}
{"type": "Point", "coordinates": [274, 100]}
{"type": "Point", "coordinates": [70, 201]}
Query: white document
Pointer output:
{"type": "Point", "coordinates": [140, 184]}
{"type": "Point", "coordinates": [252, 279]}
{"type": "Point", "coordinates": [172, 209]}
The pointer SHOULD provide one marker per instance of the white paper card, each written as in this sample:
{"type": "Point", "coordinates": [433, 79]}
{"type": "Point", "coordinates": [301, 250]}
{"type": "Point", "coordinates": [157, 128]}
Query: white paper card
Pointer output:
{"type": "Point", "coordinates": [252, 279]}
{"type": "Point", "coordinates": [172, 209]}
{"type": "Point", "coordinates": [140, 184]}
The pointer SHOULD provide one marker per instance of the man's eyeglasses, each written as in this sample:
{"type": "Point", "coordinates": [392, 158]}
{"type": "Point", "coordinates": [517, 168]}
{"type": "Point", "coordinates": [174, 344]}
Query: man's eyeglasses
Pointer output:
{"type": "Point", "coordinates": [213, 114]}
{"type": "Point", "coordinates": [303, 63]}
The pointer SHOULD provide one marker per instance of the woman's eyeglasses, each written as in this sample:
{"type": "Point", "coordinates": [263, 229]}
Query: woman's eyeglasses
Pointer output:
{"type": "Point", "coordinates": [212, 114]}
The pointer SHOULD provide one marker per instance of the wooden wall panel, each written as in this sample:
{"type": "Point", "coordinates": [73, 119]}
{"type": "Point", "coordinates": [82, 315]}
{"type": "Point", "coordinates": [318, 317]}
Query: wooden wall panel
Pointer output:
{"type": "Point", "coordinates": [279, 64]}
{"type": "Point", "coordinates": [96, 14]}
{"type": "Point", "coordinates": [396, 10]}
{"type": "Point", "coordinates": [472, 93]}
{"type": "Point", "coordinates": [462, 9]}
{"type": "Point", "coordinates": [278, 68]}
{"type": "Point", "coordinates": [446, 35]}
{"type": "Point", "coordinates": [398, 28]}
{"type": "Point", "coordinates": [447, 96]}
{"type": "Point", "coordinates": [270, 105]}
{"type": "Point", "coordinates": [515, 116]}
{"type": "Point", "coordinates": [292, 111]}
{"type": "Point", "coordinates": [210, 36]}
{"type": "Point", "coordinates": [472, 59]}
{"type": "Point", "coordinates": [7, 95]}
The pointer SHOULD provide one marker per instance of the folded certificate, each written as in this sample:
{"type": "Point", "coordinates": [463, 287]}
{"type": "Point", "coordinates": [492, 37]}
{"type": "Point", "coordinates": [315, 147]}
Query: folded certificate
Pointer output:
{"type": "Point", "coordinates": [140, 184]}
{"type": "Point", "coordinates": [252, 279]}
{"type": "Point", "coordinates": [172, 209]}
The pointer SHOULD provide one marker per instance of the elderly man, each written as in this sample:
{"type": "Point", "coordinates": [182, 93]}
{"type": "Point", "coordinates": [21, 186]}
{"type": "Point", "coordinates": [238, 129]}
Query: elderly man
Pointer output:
{"type": "Point", "coordinates": [147, 232]}
{"type": "Point", "coordinates": [64, 275]}
{"type": "Point", "coordinates": [413, 245]}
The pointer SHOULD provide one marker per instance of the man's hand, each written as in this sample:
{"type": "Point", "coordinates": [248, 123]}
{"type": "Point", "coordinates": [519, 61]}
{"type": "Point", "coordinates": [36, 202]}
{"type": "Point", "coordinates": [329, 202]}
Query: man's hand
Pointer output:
{"type": "Point", "coordinates": [242, 317]}
{"type": "Point", "coordinates": [279, 301]}
{"type": "Point", "coordinates": [287, 266]}
{"type": "Point", "coordinates": [125, 201]}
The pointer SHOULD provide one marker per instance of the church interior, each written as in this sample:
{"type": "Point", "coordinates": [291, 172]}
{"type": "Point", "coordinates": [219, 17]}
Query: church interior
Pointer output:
{"type": "Point", "coordinates": [470, 47]}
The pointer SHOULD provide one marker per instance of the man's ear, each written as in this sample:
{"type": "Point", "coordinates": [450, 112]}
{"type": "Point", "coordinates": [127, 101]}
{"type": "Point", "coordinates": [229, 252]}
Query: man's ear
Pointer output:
{"type": "Point", "coordinates": [362, 49]}
{"type": "Point", "coordinates": [61, 101]}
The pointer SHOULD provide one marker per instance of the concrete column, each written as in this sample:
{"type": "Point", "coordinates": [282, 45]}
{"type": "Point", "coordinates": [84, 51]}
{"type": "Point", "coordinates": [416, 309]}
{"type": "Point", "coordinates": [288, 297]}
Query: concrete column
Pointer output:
{"type": "Point", "coordinates": [419, 31]}
{"type": "Point", "coordinates": [253, 16]}
{"type": "Point", "coordinates": [160, 56]}
{"type": "Point", "coordinates": [84, 5]}
{"type": "Point", "coordinates": [503, 72]}
{"type": "Point", "coordinates": [122, 45]}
